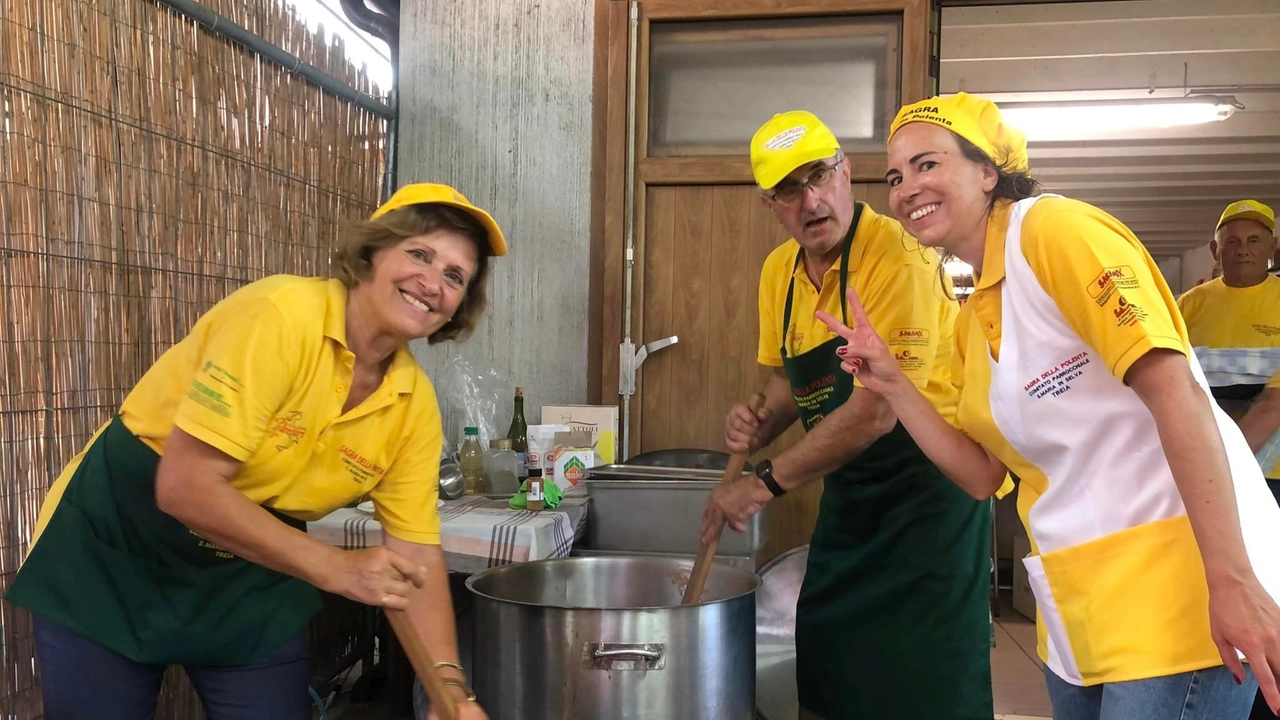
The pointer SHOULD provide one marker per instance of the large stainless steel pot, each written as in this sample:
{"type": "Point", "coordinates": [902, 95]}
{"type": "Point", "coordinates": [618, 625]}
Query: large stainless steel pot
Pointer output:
{"type": "Point", "coordinates": [607, 638]}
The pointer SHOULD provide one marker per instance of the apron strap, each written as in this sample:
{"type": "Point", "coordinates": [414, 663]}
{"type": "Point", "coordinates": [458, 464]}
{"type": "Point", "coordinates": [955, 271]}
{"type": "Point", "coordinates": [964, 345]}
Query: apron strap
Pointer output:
{"type": "Point", "coordinates": [847, 246]}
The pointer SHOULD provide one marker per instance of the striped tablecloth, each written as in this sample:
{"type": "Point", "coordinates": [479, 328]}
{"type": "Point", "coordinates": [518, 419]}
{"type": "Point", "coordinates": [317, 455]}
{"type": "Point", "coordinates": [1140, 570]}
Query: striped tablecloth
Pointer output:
{"type": "Point", "coordinates": [476, 532]}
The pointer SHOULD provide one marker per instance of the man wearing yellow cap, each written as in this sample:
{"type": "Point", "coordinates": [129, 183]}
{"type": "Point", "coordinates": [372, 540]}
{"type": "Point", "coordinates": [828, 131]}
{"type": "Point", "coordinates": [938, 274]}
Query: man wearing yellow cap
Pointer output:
{"type": "Point", "coordinates": [1156, 544]}
{"type": "Point", "coordinates": [1239, 310]}
{"type": "Point", "coordinates": [177, 536]}
{"type": "Point", "coordinates": [892, 620]}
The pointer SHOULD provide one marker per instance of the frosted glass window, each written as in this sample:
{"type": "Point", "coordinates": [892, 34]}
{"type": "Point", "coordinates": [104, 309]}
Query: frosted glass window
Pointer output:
{"type": "Point", "coordinates": [713, 83]}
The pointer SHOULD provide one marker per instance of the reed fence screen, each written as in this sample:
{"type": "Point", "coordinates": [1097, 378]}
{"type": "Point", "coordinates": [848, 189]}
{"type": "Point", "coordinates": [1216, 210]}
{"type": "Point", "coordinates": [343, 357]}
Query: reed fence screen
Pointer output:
{"type": "Point", "coordinates": [147, 169]}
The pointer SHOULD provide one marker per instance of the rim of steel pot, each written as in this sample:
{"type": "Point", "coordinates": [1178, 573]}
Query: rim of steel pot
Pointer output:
{"type": "Point", "coordinates": [677, 573]}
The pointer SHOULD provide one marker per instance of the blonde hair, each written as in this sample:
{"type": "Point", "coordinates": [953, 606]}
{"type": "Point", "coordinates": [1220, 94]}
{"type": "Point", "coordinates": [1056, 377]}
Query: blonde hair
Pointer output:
{"type": "Point", "coordinates": [352, 259]}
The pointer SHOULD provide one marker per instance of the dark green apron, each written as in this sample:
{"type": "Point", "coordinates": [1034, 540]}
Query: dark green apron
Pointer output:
{"type": "Point", "coordinates": [892, 620]}
{"type": "Point", "coordinates": [113, 567]}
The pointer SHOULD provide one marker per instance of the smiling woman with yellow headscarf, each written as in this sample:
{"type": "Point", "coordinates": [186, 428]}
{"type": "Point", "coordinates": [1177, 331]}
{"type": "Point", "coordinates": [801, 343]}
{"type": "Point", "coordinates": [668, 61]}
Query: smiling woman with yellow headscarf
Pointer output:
{"type": "Point", "coordinates": [1156, 552]}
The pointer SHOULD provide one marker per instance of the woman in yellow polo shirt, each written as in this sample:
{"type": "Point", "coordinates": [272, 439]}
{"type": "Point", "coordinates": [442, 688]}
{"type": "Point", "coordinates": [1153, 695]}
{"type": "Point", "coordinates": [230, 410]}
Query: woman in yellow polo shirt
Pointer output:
{"type": "Point", "coordinates": [177, 536]}
{"type": "Point", "coordinates": [1156, 553]}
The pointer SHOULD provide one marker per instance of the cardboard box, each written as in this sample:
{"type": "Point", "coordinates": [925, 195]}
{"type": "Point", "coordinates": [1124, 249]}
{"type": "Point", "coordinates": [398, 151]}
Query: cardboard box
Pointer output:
{"type": "Point", "coordinates": [573, 455]}
{"type": "Point", "coordinates": [600, 420]}
{"type": "Point", "coordinates": [1024, 602]}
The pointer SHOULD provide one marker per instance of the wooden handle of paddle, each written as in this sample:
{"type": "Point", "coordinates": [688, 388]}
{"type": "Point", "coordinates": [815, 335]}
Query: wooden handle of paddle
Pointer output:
{"type": "Point", "coordinates": [442, 701]}
{"type": "Point", "coordinates": [707, 553]}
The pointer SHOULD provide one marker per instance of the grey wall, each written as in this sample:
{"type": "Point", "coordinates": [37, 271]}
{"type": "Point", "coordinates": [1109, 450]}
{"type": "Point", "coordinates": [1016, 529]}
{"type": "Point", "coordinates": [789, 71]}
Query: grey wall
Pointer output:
{"type": "Point", "coordinates": [496, 100]}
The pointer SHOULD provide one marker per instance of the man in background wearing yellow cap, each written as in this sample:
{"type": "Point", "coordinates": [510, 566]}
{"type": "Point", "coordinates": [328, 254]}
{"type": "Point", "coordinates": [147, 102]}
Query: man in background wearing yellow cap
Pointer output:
{"type": "Point", "coordinates": [892, 619]}
{"type": "Point", "coordinates": [1241, 309]}
{"type": "Point", "coordinates": [1235, 318]}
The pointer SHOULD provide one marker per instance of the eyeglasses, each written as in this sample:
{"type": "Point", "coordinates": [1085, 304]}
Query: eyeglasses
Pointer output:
{"type": "Point", "coordinates": [789, 193]}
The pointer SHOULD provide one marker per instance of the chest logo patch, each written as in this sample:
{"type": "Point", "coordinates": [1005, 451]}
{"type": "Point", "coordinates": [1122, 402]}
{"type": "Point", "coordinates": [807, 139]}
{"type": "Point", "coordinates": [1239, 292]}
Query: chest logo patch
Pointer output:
{"type": "Point", "coordinates": [1056, 381]}
{"type": "Point", "coordinates": [287, 430]}
{"type": "Point", "coordinates": [361, 468]}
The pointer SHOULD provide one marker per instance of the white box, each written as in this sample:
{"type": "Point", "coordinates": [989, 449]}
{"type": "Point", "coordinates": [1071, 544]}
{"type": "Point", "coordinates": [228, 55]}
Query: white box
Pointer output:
{"type": "Point", "coordinates": [600, 420]}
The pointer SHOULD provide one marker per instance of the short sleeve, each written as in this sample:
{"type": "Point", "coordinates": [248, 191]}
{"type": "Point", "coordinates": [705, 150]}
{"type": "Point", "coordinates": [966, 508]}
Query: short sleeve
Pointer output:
{"type": "Point", "coordinates": [404, 500]}
{"type": "Point", "coordinates": [902, 302]}
{"type": "Point", "coordinates": [1102, 281]}
{"type": "Point", "coordinates": [769, 352]}
{"type": "Point", "coordinates": [247, 365]}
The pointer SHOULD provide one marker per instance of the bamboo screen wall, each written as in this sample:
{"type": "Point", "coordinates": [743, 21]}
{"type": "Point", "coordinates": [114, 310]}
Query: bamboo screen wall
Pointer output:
{"type": "Point", "coordinates": [147, 169]}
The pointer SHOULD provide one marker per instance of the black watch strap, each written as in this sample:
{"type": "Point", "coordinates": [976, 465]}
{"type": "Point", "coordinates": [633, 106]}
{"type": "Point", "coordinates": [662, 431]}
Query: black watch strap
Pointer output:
{"type": "Point", "coordinates": [764, 471]}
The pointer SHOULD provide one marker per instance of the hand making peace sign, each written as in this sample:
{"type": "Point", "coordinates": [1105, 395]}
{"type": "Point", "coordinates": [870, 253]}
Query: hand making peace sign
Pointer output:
{"type": "Point", "coordinates": [865, 355]}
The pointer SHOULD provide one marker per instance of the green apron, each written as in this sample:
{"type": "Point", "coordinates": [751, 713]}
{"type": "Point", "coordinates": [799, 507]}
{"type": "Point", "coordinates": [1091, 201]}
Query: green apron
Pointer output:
{"type": "Point", "coordinates": [892, 619]}
{"type": "Point", "coordinates": [113, 567]}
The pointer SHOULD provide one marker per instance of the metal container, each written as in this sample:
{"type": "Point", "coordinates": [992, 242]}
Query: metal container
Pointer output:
{"type": "Point", "coordinates": [603, 637]}
{"type": "Point", "coordinates": [659, 510]}
{"type": "Point", "coordinates": [452, 485]}
{"type": "Point", "coordinates": [777, 697]}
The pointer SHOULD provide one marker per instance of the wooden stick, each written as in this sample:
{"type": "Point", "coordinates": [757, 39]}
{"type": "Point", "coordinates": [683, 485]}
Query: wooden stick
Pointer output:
{"type": "Point", "coordinates": [707, 553]}
{"type": "Point", "coordinates": [442, 701]}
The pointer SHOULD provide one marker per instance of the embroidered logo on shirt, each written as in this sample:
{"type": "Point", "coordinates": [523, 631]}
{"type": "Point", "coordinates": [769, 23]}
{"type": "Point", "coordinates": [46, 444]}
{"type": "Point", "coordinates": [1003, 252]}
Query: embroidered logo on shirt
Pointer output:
{"type": "Point", "coordinates": [795, 338]}
{"type": "Point", "coordinates": [909, 336]}
{"type": "Point", "coordinates": [288, 430]}
{"type": "Point", "coordinates": [1057, 380]}
{"type": "Point", "coordinates": [362, 469]}
{"type": "Point", "coordinates": [1112, 279]}
{"type": "Point", "coordinates": [1268, 330]}
{"type": "Point", "coordinates": [908, 362]}
{"type": "Point", "coordinates": [1127, 313]}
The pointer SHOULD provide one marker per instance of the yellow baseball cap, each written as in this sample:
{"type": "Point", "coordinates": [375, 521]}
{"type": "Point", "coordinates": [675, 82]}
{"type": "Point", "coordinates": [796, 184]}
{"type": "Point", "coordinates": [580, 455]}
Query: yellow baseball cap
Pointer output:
{"type": "Point", "coordinates": [1249, 210]}
{"type": "Point", "coordinates": [975, 119]}
{"type": "Point", "coordinates": [788, 141]}
{"type": "Point", "coordinates": [426, 193]}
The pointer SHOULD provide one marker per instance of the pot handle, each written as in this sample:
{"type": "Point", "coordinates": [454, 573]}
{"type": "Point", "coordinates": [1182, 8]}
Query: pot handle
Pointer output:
{"type": "Point", "coordinates": [641, 653]}
{"type": "Point", "coordinates": [623, 656]}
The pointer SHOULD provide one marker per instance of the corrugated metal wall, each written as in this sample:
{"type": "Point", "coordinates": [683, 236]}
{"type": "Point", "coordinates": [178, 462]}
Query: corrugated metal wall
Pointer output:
{"type": "Point", "coordinates": [496, 100]}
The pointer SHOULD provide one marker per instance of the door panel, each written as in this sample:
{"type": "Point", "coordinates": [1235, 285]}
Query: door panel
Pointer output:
{"type": "Point", "coordinates": [703, 249]}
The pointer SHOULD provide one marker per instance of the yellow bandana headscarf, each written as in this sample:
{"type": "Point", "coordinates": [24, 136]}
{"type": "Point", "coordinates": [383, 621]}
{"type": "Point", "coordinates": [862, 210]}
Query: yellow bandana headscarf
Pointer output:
{"type": "Point", "coordinates": [975, 119]}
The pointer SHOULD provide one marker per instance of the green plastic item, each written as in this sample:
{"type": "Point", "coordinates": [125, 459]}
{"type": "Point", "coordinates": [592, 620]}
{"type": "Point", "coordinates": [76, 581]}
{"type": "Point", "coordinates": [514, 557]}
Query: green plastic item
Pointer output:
{"type": "Point", "coordinates": [551, 495]}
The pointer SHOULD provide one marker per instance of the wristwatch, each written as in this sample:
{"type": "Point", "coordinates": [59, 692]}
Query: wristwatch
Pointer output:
{"type": "Point", "coordinates": [764, 471]}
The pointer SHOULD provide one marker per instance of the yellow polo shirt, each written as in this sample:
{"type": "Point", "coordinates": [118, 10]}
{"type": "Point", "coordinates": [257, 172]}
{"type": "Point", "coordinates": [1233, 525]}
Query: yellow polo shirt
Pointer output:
{"type": "Point", "coordinates": [900, 286]}
{"type": "Point", "coordinates": [1220, 316]}
{"type": "Point", "coordinates": [263, 376]}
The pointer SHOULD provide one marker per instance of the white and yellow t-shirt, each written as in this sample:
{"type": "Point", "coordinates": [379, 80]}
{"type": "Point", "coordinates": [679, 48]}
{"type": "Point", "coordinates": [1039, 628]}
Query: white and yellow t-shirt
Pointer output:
{"type": "Point", "coordinates": [1067, 300]}
{"type": "Point", "coordinates": [263, 376]}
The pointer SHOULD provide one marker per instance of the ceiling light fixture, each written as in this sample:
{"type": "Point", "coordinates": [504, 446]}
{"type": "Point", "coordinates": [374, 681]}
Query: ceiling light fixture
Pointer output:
{"type": "Point", "coordinates": [1042, 120]}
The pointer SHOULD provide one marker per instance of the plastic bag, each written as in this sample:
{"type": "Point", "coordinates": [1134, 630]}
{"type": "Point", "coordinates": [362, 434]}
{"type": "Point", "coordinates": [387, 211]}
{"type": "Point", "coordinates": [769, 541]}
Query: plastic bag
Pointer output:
{"type": "Point", "coordinates": [475, 396]}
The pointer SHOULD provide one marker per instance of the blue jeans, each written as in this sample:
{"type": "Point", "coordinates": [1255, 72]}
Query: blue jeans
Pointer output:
{"type": "Point", "coordinates": [82, 680]}
{"type": "Point", "coordinates": [1210, 694]}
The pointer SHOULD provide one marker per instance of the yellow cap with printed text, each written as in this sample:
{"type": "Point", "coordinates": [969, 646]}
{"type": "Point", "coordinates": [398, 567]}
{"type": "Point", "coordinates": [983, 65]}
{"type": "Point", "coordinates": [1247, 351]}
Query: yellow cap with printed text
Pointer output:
{"type": "Point", "coordinates": [975, 119]}
{"type": "Point", "coordinates": [788, 141]}
{"type": "Point", "coordinates": [1248, 210]}
{"type": "Point", "coordinates": [432, 193]}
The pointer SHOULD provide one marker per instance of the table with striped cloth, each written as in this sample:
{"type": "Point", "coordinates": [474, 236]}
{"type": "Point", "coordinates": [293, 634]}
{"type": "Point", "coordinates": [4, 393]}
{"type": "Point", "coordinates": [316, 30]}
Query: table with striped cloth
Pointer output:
{"type": "Point", "coordinates": [476, 532]}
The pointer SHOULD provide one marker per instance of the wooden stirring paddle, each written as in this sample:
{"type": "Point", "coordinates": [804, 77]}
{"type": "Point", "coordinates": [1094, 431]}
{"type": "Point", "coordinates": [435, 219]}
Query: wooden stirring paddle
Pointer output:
{"type": "Point", "coordinates": [442, 701]}
{"type": "Point", "coordinates": [707, 553]}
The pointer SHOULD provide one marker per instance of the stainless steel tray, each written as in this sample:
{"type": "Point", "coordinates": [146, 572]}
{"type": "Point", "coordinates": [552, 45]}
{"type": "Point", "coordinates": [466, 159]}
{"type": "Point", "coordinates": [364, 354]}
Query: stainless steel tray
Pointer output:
{"type": "Point", "coordinates": [659, 510]}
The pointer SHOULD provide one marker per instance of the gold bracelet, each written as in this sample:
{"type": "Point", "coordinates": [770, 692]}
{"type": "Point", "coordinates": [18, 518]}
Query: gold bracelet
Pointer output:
{"type": "Point", "coordinates": [453, 665]}
{"type": "Point", "coordinates": [471, 695]}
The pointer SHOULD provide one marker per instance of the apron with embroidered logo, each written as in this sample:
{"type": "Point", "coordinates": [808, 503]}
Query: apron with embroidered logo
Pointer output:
{"type": "Point", "coordinates": [892, 619]}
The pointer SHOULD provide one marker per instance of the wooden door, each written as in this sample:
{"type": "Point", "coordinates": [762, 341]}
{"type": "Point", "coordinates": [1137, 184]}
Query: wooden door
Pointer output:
{"type": "Point", "coordinates": [701, 236]}
{"type": "Point", "coordinates": [704, 249]}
